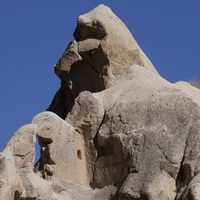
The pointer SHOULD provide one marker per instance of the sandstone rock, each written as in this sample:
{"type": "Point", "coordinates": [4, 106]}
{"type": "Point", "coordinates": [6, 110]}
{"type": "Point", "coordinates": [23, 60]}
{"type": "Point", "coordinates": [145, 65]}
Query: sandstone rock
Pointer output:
{"type": "Point", "coordinates": [147, 124]}
{"type": "Point", "coordinates": [59, 141]}
{"type": "Point", "coordinates": [137, 135]}
{"type": "Point", "coordinates": [122, 132]}
{"type": "Point", "coordinates": [102, 50]}
{"type": "Point", "coordinates": [10, 183]}
{"type": "Point", "coordinates": [191, 91]}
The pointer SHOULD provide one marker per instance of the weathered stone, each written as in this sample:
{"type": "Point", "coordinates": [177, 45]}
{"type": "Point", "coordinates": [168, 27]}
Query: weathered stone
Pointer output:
{"type": "Point", "coordinates": [102, 50]}
{"type": "Point", "coordinates": [10, 183]}
{"type": "Point", "coordinates": [18, 162]}
{"type": "Point", "coordinates": [191, 91]}
{"type": "Point", "coordinates": [56, 138]}
{"type": "Point", "coordinates": [146, 127]}
{"type": "Point", "coordinates": [122, 132]}
{"type": "Point", "coordinates": [135, 135]}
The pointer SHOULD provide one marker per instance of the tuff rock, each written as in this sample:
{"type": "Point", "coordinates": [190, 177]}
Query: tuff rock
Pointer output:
{"type": "Point", "coordinates": [115, 129]}
{"type": "Point", "coordinates": [102, 50]}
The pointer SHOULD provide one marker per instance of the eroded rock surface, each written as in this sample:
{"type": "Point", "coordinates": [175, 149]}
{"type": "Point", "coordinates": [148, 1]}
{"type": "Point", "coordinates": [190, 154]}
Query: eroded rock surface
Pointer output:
{"type": "Point", "coordinates": [119, 131]}
{"type": "Point", "coordinates": [102, 50]}
{"type": "Point", "coordinates": [191, 91]}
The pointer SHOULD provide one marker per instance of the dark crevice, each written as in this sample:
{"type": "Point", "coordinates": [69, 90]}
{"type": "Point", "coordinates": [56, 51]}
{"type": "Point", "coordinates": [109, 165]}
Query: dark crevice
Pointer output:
{"type": "Point", "coordinates": [62, 102]}
{"type": "Point", "coordinates": [89, 63]}
{"type": "Point", "coordinates": [105, 151]}
{"type": "Point", "coordinates": [88, 37]}
{"type": "Point", "coordinates": [183, 178]}
{"type": "Point", "coordinates": [84, 74]}
{"type": "Point", "coordinates": [97, 148]}
{"type": "Point", "coordinates": [94, 30]}
{"type": "Point", "coordinates": [118, 186]}
{"type": "Point", "coordinates": [96, 59]}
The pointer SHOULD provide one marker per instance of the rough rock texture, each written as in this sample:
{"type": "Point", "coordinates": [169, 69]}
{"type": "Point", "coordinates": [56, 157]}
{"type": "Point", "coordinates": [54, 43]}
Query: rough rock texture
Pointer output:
{"type": "Point", "coordinates": [190, 90]}
{"type": "Point", "coordinates": [102, 50]}
{"type": "Point", "coordinates": [128, 134]}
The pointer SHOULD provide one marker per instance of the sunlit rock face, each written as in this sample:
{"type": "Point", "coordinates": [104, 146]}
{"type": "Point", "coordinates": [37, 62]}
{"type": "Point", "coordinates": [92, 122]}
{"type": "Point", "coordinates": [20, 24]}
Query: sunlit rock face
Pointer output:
{"type": "Point", "coordinates": [115, 129]}
{"type": "Point", "coordinates": [102, 50]}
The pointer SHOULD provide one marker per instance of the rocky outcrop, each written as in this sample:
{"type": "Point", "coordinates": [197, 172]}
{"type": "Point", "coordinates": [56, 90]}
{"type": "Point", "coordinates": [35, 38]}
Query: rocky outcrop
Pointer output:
{"type": "Point", "coordinates": [190, 90]}
{"type": "Point", "coordinates": [149, 121]}
{"type": "Point", "coordinates": [102, 50]}
{"type": "Point", "coordinates": [18, 181]}
{"type": "Point", "coordinates": [119, 131]}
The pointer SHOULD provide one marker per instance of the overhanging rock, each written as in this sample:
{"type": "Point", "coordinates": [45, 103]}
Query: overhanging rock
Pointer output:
{"type": "Point", "coordinates": [102, 50]}
{"type": "Point", "coordinates": [118, 130]}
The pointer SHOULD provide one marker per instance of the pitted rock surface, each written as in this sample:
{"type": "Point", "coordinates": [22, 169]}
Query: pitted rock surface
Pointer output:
{"type": "Point", "coordinates": [102, 50]}
{"type": "Point", "coordinates": [115, 129]}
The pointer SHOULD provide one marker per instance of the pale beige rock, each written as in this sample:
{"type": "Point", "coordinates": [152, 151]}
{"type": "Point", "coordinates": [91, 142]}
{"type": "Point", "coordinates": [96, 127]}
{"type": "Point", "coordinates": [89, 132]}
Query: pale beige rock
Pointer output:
{"type": "Point", "coordinates": [58, 143]}
{"type": "Point", "coordinates": [117, 42]}
{"type": "Point", "coordinates": [144, 135]}
{"type": "Point", "coordinates": [57, 140]}
{"type": "Point", "coordinates": [127, 133]}
{"type": "Point", "coordinates": [102, 50]}
{"type": "Point", "coordinates": [135, 133]}
{"type": "Point", "coordinates": [86, 116]}
{"type": "Point", "coordinates": [191, 91]}
{"type": "Point", "coordinates": [18, 161]}
{"type": "Point", "coordinates": [10, 182]}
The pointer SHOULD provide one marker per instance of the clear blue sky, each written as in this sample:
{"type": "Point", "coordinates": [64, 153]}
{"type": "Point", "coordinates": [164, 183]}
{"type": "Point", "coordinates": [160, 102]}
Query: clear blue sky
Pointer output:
{"type": "Point", "coordinates": [34, 34]}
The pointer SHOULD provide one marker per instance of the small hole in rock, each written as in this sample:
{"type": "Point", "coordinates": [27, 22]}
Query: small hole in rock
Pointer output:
{"type": "Point", "coordinates": [79, 154]}
{"type": "Point", "coordinates": [49, 173]}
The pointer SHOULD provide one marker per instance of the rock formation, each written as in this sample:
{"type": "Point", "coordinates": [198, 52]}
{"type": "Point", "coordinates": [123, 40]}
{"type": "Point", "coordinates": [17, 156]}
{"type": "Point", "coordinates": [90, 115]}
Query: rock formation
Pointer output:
{"type": "Point", "coordinates": [102, 50]}
{"type": "Point", "coordinates": [114, 130]}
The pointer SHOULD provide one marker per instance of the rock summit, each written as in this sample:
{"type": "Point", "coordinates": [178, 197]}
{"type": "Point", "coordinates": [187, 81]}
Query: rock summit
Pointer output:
{"type": "Point", "coordinates": [114, 130]}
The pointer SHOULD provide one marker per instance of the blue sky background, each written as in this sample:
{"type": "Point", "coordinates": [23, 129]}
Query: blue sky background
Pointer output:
{"type": "Point", "coordinates": [34, 34]}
